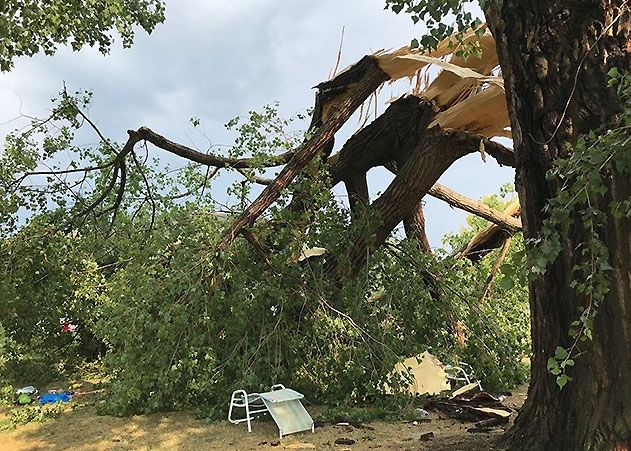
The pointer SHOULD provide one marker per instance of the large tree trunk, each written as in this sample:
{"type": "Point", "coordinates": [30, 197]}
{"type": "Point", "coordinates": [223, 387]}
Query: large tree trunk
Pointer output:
{"type": "Point", "coordinates": [554, 56]}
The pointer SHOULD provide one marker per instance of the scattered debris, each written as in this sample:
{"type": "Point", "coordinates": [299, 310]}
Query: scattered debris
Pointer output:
{"type": "Point", "coordinates": [482, 401]}
{"type": "Point", "coordinates": [360, 425]}
{"type": "Point", "coordinates": [28, 390]}
{"type": "Point", "coordinates": [473, 387]}
{"type": "Point", "coordinates": [424, 420]}
{"type": "Point", "coordinates": [470, 403]}
{"type": "Point", "coordinates": [52, 398]}
{"type": "Point", "coordinates": [421, 421]}
{"type": "Point", "coordinates": [427, 373]}
{"type": "Point", "coordinates": [495, 413]}
{"type": "Point", "coordinates": [345, 427]}
{"type": "Point", "coordinates": [344, 441]}
{"type": "Point", "coordinates": [427, 436]}
{"type": "Point", "coordinates": [275, 443]}
{"type": "Point", "coordinates": [487, 425]}
{"type": "Point", "coordinates": [24, 399]}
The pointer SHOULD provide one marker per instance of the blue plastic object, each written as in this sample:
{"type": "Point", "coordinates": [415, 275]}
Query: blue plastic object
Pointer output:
{"type": "Point", "coordinates": [52, 398]}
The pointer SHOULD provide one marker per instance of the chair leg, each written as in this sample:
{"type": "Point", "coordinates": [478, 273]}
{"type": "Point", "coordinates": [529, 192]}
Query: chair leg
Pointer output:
{"type": "Point", "coordinates": [247, 414]}
{"type": "Point", "coordinates": [230, 409]}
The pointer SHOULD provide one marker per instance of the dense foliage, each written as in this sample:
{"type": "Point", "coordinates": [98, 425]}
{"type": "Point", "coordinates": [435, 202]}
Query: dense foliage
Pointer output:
{"type": "Point", "coordinates": [178, 326]}
{"type": "Point", "coordinates": [30, 27]}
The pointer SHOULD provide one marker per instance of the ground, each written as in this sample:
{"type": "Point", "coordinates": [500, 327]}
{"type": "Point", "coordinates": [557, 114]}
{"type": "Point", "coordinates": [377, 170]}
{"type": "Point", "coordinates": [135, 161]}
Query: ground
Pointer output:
{"type": "Point", "coordinates": [80, 428]}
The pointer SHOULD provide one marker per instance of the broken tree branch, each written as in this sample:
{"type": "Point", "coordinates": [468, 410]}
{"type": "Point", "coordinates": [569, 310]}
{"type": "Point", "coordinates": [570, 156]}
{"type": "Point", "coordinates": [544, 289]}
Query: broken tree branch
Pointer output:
{"type": "Point", "coordinates": [207, 159]}
{"type": "Point", "coordinates": [489, 238]}
{"type": "Point", "coordinates": [496, 267]}
{"type": "Point", "coordinates": [436, 151]}
{"type": "Point", "coordinates": [504, 221]}
{"type": "Point", "coordinates": [347, 92]}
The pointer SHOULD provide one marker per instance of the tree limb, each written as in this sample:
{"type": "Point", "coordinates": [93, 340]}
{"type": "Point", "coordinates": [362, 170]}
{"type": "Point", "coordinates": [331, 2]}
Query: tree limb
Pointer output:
{"type": "Point", "coordinates": [414, 225]}
{"type": "Point", "coordinates": [489, 238]}
{"type": "Point", "coordinates": [496, 267]}
{"type": "Point", "coordinates": [347, 92]}
{"type": "Point", "coordinates": [455, 199]}
{"type": "Point", "coordinates": [436, 151]}
{"type": "Point", "coordinates": [358, 197]}
{"type": "Point", "coordinates": [207, 159]}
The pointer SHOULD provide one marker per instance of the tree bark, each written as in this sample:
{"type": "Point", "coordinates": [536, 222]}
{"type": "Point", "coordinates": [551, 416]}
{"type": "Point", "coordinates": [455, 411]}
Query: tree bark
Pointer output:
{"type": "Point", "coordinates": [434, 153]}
{"type": "Point", "coordinates": [414, 225]}
{"type": "Point", "coordinates": [554, 57]}
{"type": "Point", "coordinates": [358, 196]}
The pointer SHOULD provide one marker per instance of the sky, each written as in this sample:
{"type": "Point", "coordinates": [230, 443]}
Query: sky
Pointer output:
{"type": "Point", "coordinates": [217, 59]}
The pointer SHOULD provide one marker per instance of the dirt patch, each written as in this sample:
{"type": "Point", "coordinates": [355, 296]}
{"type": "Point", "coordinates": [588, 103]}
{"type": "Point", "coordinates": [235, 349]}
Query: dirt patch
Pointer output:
{"type": "Point", "coordinates": [82, 429]}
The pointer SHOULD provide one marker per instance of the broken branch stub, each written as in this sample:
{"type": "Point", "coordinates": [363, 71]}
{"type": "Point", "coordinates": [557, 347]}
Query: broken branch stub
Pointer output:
{"type": "Point", "coordinates": [489, 238]}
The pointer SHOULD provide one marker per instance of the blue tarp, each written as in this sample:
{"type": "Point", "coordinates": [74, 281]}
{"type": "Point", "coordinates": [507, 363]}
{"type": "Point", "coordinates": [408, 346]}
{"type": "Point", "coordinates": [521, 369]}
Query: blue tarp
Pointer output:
{"type": "Point", "coordinates": [51, 398]}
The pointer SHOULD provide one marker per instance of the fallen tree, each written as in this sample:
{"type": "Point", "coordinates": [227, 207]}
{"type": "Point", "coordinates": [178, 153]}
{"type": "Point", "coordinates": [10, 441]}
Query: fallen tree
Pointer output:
{"type": "Point", "coordinates": [417, 137]}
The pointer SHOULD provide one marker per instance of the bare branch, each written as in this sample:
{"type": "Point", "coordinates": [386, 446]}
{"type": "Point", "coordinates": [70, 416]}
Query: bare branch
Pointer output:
{"type": "Point", "coordinates": [414, 225]}
{"type": "Point", "coordinates": [255, 178]}
{"type": "Point", "coordinates": [121, 192]}
{"type": "Point", "coordinates": [496, 267]}
{"type": "Point", "coordinates": [455, 199]}
{"type": "Point", "coordinates": [147, 187]}
{"type": "Point", "coordinates": [207, 159]}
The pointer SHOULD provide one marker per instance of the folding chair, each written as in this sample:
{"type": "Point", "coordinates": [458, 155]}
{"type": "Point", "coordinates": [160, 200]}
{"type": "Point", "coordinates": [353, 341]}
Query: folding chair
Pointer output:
{"type": "Point", "coordinates": [283, 404]}
{"type": "Point", "coordinates": [459, 375]}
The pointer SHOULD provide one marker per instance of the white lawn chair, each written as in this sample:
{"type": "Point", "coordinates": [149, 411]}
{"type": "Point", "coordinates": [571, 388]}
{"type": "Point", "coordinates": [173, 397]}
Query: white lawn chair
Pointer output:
{"type": "Point", "coordinates": [459, 375]}
{"type": "Point", "coordinates": [283, 404]}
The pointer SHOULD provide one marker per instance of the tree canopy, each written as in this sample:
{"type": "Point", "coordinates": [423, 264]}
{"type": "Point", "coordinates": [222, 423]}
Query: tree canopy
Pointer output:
{"type": "Point", "coordinates": [28, 27]}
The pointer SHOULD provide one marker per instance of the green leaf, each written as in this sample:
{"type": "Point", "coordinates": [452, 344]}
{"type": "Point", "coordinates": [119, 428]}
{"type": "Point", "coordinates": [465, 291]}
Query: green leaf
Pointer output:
{"type": "Point", "coordinates": [562, 380]}
{"type": "Point", "coordinates": [560, 353]}
{"type": "Point", "coordinates": [507, 283]}
{"type": "Point", "coordinates": [613, 72]}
